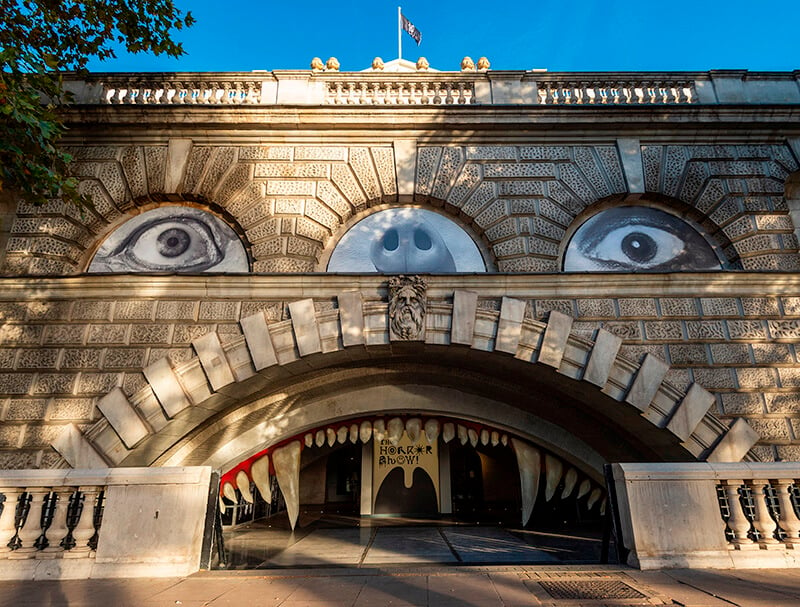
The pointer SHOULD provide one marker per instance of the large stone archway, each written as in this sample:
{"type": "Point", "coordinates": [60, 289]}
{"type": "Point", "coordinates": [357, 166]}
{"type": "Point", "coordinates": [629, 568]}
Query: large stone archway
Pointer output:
{"type": "Point", "coordinates": [189, 412]}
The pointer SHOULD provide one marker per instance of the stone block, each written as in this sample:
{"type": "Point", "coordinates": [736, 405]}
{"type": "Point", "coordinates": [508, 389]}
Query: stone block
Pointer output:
{"type": "Point", "coordinates": [555, 339]}
{"type": "Point", "coordinates": [122, 417]}
{"type": "Point", "coordinates": [601, 360]}
{"type": "Point", "coordinates": [212, 358]}
{"type": "Point", "coordinates": [465, 306]}
{"type": "Point", "coordinates": [76, 450]}
{"type": "Point", "coordinates": [304, 325]}
{"type": "Point", "coordinates": [742, 403]}
{"type": "Point", "coordinates": [259, 343]}
{"type": "Point", "coordinates": [166, 386]}
{"type": "Point", "coordinates": [735, 444]}
{"type": "Point", "coordinates": [647, 382]}
{"type": "Point", "coordinates": [351, 318]}
{"type": "Point", "coordinates": [637, 307]}
{"type": "Point", "coordinates": [690, 411]}
{"type": "Point", "coordinates": [509, 325]}
{"type": "Point", "coordinates": [630, 151]}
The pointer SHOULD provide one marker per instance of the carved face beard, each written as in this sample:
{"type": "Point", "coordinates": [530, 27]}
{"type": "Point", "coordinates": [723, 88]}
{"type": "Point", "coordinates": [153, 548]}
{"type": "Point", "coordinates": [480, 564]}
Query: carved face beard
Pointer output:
{"type": "Point", "coordinates": [406, 313]}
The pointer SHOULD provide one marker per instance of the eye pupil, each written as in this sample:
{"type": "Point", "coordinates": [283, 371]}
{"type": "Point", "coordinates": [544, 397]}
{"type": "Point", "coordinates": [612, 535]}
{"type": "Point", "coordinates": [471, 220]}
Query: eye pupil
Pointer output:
{"type": "Point", "coordinates": [173, 242]}
{"type": "Point", "coordinates": [639, 247]}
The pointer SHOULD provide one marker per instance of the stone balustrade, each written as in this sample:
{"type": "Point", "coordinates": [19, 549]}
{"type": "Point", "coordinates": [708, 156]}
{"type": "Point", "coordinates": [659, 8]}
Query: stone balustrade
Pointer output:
{"type": "Point", "coordinates": [51, 522]}
{"type": "Point", "coordinates": [303, 87]}
{"type": "Point", "coordinates": [740, 515]}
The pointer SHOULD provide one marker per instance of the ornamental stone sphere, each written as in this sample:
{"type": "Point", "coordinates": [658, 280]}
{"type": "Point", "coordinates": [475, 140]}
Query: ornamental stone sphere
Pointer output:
{"type": "Point", "coordinates": [467, 64]}
{"type": "Point", "coordinates": [377, 63]}
{"type": "Point", "coordinates": [332, 64]}
{"type": "Point", "coordinates": [422, 64]}
{"type": "Point", "coordinates": [317, 65]}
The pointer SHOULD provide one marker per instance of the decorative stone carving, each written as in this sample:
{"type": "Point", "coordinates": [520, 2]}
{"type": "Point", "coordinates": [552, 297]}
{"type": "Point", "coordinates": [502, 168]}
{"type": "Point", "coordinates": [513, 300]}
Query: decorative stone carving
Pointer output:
{"type": "Point", "coordinates": [377, 64]}
{"type": "Point", "coordinates": [332, 64]}
{"type": "Point", "coordinates": [407, 302]}
{"type": "Point", "coordinates": [422, 64]}
{"type": "Point", "coordinates": [317, 65]}
{"type": "Point", "coordinates": [467, 64]}
{"type": "Point", "coordinates": [483, 64]}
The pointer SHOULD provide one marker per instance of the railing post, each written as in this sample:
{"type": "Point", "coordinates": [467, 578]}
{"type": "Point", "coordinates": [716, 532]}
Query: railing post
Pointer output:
{"type": "Point", "coordinates": [58, 529]}
{"type": "Point", "coordinates": [8, 518]}
{"type": "Point", "coordinates": [788, 519]}
{"type": "Point", "coordinates": [738, 522]}
{"type": "Point", "coordinates": [32, 527]}
{"type": "Point", "coordinates": [762, 520]}
{"type": "Point", "coordinates": [84, 529]}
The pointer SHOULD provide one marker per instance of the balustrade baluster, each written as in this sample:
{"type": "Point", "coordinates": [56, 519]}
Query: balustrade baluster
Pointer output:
{"type": "Point", "coordinates": [32, 527]}
{"type": "Point", "coordinates": [8, 518]}
{"type": "Point", "coordinates": [738, 522]}
{"type": "Point", "coordinates": [788, 519]}
{"type": "Point", "coordinates": [58, 529]}
{"type": "Point", "coordinates": [84, 529]}
{"type": "Point", "coordinates": [762, 520]}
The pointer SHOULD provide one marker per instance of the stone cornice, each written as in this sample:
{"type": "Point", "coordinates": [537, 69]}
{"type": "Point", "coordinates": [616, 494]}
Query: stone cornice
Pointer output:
{"type": "Point", "coordinates": [297, 286]}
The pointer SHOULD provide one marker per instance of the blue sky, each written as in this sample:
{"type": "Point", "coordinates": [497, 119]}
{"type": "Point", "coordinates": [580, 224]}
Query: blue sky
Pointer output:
{"type": "Point", "coordinates": [556, 35]}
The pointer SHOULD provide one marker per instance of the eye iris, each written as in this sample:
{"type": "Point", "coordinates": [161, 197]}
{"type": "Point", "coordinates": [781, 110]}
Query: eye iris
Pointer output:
{"type": "Point", "coordinates": [639, 247]}
{"type": "Point", "coordinates": [173, 242]}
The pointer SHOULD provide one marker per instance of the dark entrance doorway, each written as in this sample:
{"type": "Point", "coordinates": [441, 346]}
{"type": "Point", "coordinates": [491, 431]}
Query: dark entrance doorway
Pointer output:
{"type": "Point", "coordinates": [419, 500]}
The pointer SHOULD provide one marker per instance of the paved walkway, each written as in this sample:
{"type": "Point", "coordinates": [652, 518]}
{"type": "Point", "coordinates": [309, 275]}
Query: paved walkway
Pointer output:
{"type": "Point", "coordinates": [434, 586]}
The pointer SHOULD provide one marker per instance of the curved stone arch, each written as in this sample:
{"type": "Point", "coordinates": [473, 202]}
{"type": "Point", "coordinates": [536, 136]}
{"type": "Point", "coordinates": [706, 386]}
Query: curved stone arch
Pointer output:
{"type": "Point", "coordinates": [716, 237]}
{"type": "Point", "coordinates": [177, 401]}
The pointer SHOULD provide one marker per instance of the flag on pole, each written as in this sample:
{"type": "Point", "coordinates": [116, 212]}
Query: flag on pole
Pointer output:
{"type": "Point", "coordinates": [412, 31]}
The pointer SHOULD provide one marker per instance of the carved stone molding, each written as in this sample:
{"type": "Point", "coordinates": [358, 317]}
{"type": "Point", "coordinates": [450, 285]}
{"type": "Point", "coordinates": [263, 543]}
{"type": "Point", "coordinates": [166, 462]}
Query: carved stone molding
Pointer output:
{"type": "Point", "coordinates": [407, 302]}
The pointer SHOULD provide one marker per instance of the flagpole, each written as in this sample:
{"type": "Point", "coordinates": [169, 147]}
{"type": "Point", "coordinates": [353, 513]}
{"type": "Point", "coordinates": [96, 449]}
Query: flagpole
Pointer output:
{"type": "Point", "coordinates": [399, 34]}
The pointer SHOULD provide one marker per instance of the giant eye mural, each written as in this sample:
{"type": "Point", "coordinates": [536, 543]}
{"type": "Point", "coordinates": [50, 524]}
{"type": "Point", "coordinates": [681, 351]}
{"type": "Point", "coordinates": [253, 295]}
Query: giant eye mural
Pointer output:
{"type": "Point", "coordinates": [625, 239]}
{"type": "Point", "coordinates": [401, 240]}
{"type": "Point", "coordinates": [172, 239]}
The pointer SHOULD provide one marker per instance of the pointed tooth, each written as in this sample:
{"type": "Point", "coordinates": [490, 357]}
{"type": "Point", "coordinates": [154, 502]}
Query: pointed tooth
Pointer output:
{"type": "Point", "coordinates": [432, 430]}
{"type": "Point", "coordinates": [603, 505]}
{"type": "Point", "coordinates": [553, 470]}
{"type": "Point", "coordinates": [570, 480]}
{"type": "Point", "coordinates": [354, 433]}
{"type": "Point", "coordinates": [222, 504]}
{"type": "Point", "coordinates": [473, 437]}
{"type": "Point", "coordinates": [287, 468]}
{"type": "Point", "coordinates": [320, 438]}
{"type": "Point", "coordinates": [593, 497]}
{"type": "Point", "coordinates": [584, 488]}
{"type": "Point", "coordinates": [341, 435]}
{"type": "Point", "coordinates": [495, 438]}
{"type": "Point", "coordinates": [462, 434]}
{"type": "Point", "coordinates": [243, 483]}
{"type": "Point", "coordinates": [229, 492]}
{"type": "Point", "coordinates": [379, 430]}
{"type": "Point", "coordinates": [529, 462]}
{"type": "Point", "coordinates": [309, 440]}
{"type": "Point", "coordinates": [504, 440]}
{"type": "Point", "coordinates": [394, 430]}
{"type": "Point", "coordinates": [448, 432]}
{"type": "Point", "coordinates": [259, 470]}
{"type": "Point", "coordinates": [365, 431]}
{"type": "Point", "coordinates": [331, 435]}
{"type": "Point", "coordinates": [484, 437]}
{"type": "Point", "coordinates": [413, 429]}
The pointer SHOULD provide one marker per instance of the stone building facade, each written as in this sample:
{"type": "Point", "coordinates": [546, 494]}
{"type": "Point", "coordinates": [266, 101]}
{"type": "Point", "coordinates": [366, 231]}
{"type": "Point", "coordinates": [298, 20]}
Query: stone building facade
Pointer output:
{"type": "Point", "coordinates": [157, 366]}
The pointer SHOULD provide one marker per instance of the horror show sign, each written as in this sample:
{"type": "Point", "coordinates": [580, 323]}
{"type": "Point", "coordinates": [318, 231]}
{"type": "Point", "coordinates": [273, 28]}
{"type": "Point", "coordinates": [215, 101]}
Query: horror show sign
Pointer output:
{"type": "Point", "coordinates": [409, 457]}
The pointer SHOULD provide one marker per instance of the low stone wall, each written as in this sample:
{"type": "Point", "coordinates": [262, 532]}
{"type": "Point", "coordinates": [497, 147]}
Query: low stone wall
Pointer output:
{"type": "Point", "coordinates": [75, 524]}
{"type": "Point", "coordinates": [703, 515]}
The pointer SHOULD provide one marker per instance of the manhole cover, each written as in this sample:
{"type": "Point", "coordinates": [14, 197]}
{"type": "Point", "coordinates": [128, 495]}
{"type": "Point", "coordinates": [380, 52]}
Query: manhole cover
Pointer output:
{"type": "Point", "coordinates": [590, 590]}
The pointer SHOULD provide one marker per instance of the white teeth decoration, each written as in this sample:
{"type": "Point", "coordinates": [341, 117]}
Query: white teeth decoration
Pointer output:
{"type": "Point", "coordinates": [309, 440]}
{"type": "Point", "coordinates": [495, 438]}
{"type": "Point", "coordinates": [341, 435]}
{"type": "Point", "coordinates": [448, 432]}
{"type": "Point", "coordinates": [222, 504]}
{"type": "Point", "coordinates": [354, 433]}
{"type": "Point", "coordinates": [553, 470]}
{"type": "Point", "coordinates": [584, 488]}
{"type": "Point", "coordinates": [331, 436]}
{"type": "Point", "coordinates": [394, 430]}
{"type": "Point", "coordinates": [379, 430]}
{"type": "Point", "coordinates": [432, 430]}
{"type": "Point", "coordinates": [529, 462]}
{"type": "Point", "coordinates": [243, 483]}
{"type": "Point", "coordinates": [414, 428]}
{"type": "Point", "coordinates": [320, 438]}
{"type": "Point", "coordinates": [484, 437]}
{"type": "Point", "coordinates": [229, 492]}
{"type": "Point", "coordinates": [462, 434]}
{"type": "Point", "coordinates": [504, 440]}
{"type": "Point", "coordinates": [287, 468]}
{"type": "Point", "coordinates": [473, 437]}
{"type": "Point", "coordinates": [570, 479]}
{"type": "Point", "coordinates": [593, 497]}
{"type": "Point", "coordinates": [365, 431]}
{"type": "Point", "coordinates": [259, 470]}
{"type": "Point", "coordinates": [603, 505]}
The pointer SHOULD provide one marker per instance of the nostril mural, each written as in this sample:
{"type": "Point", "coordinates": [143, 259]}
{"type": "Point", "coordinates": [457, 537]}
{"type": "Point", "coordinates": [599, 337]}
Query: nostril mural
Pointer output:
{"type": "Point", "coordinates": [391, 240]}
{"type": "Point", "coordinates": [422, 239]}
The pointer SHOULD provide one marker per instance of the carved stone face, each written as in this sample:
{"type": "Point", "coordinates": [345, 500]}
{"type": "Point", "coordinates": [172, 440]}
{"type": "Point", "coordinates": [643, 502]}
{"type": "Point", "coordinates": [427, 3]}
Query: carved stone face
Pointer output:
{"type": "Point", "coordinates": [411, 245]}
